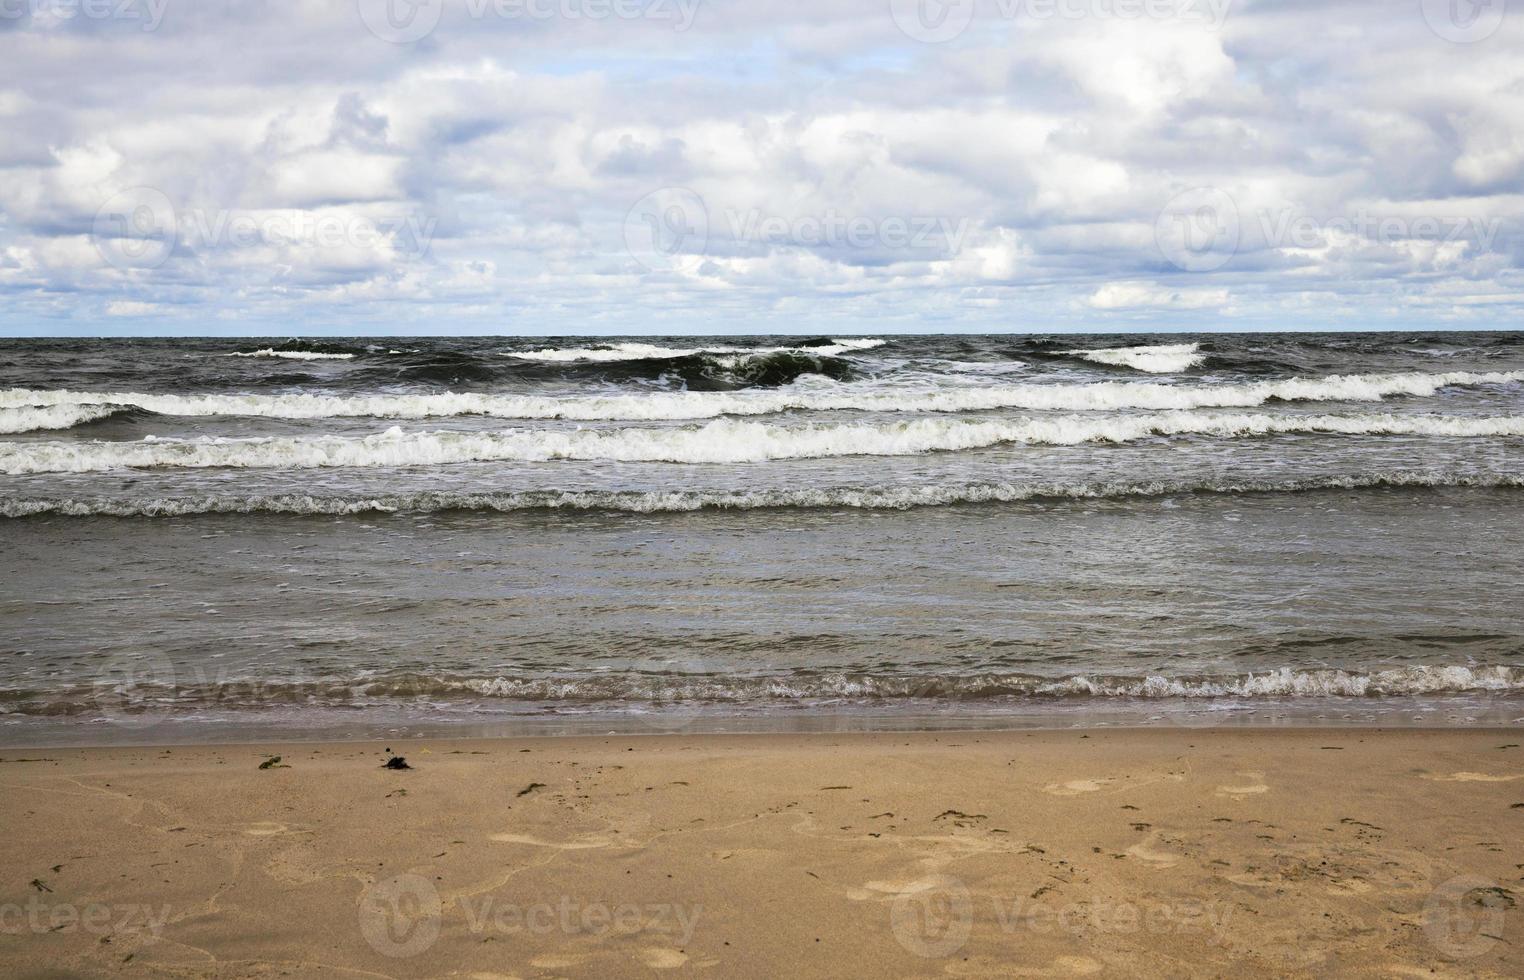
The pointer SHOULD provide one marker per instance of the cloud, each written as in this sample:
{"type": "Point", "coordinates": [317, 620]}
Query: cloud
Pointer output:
{"type": "Point", "coordinates": [1148, 295]}
{"type": "Point", "coordinates": [127, 307]}
{"type": "Point", "coordinates": [487, 175]}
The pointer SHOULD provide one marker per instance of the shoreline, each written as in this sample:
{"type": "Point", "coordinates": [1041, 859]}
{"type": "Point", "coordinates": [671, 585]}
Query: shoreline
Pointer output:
{"type": "Point", "coordinates": [307, 725]}
{"type": "Point", "coordinates": [1191, 851]}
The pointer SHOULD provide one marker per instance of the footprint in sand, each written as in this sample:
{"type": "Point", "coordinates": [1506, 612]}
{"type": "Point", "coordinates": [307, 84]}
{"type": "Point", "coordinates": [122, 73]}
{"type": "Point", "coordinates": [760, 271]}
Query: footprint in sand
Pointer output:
{"type": "Point", "coordinates": [662, 958]}
{"type": "Point", "coordinates": [1076, 786]}
{"type": "Point", "coordinates": [265, 829]}
{"type": "Point", "coordinates": [879, 889]}
{"type": "Point", "coordinates": [1157, 859]}
{"type": "Point", "coordinates": [1063, 966]}
{"type": "Point", "coordinates": [1253, 787]}
{"type": "Point", "coordinates": [1475, 777]}
{"type": "Point", "coordinates": [573, 845]}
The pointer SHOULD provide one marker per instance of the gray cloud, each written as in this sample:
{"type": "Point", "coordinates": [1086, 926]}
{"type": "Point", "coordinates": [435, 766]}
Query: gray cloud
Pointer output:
{"type": "Point", "coordinates": [488, 175]}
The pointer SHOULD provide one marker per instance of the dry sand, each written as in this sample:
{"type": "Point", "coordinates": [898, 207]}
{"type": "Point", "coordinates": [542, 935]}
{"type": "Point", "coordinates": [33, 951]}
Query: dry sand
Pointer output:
{"type": "Point", "coordinates": [1179, 852]}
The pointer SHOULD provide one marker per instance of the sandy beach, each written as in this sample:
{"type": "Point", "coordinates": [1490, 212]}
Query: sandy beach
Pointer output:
{"type": "Point", "coordinates": [1172, 851]}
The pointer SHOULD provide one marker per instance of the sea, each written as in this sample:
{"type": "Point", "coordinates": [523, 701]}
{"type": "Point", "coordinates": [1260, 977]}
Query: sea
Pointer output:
{"type": "Point", "coordinates": [254, 539]}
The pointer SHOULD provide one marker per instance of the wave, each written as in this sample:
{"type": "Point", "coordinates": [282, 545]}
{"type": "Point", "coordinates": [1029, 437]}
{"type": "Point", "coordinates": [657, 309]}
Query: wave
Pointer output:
{"type": "Point", "coordinates": [693, 405]}
{"type": "Point", "coordinates": [773, 369]}
{"type": "Point", "coordinates": [293, 355]}
{"type": "Point", "coordinates": [1283, 682]}
{"type": "Point", "coordinates": [683, 501]}
{"type": "Point", "coordinates": [642, 352]}
{"type": "Point", "coordinates": [1153, 359]}
{"type": "Point", "coordinates": [720, 441]}
{"type": "Point", "coordinates": [696, 370]}
{"type": "Point", "coordinates": [31, 418]}
{"type": "Point", "coordinates": [637, 690]}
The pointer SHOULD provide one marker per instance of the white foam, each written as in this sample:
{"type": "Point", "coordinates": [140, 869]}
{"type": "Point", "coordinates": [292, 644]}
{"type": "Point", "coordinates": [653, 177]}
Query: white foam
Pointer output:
{"type": "Point", "coordinates": [678, 501]}
{"type": "Point", "coordinates": [719, 441]}
{"type": "Point", "coordinates": [1277, 683]}
{"type": "Point", "coordinates": [1286, 682]}
{"type": "Point", "coordinates": [292, 355]}
{"type": "Point", "coordinates": [816, 395]}
{"type": "Point", "coordinates": [1154, 359]}
{"type": "Point", "coordinates": [31, 418]}
{"type": "Point", "coordinates": [636, 351]}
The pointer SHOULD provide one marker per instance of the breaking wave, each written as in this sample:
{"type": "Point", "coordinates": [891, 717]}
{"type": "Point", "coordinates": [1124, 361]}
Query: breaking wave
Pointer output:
{"type": "Point", "coordinates": [637, 689]}
{"type": "Point", "coordinates": [1284, 682]}
{"type": "Point", "coordinates": [642, 352]}
{"type": "Point", "coordinates": [1153, 359]}
{"type": "Point", "coordinates": [692, 405]}
{"type": "Point", "coordinates": [720, 441]}
{"type": "Point", "coordinates": [681, 501]}
{"type": "Point", "coordinates": [32, 418]}
{"type": "Point", "coordinates": [293, 355]}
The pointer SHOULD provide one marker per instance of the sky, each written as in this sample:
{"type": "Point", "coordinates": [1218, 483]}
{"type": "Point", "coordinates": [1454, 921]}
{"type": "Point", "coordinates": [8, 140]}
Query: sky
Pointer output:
{"type": "Point", "coordinates": [238, 167]}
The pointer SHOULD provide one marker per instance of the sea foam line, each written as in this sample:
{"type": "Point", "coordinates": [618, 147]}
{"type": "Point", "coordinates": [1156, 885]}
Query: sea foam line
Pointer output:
{"type": "Point", "coordinates": [683, 501]}
{"type": "Point", "coordinates": [638, 689]}
{"type": "Point", "coordinates": [293, 355]}
{"type": "Point", "coordinates": [1273, 683]}
{"type": "Point", "coordinates": [694, 405]}
{"type": "Point", "coordinates": [719, 441]}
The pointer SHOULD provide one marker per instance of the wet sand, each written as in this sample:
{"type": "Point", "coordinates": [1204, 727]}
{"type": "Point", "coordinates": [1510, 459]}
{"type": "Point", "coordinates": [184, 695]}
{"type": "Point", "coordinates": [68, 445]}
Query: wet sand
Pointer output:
{"type": "Point", "coordinates": [1146, 852]}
